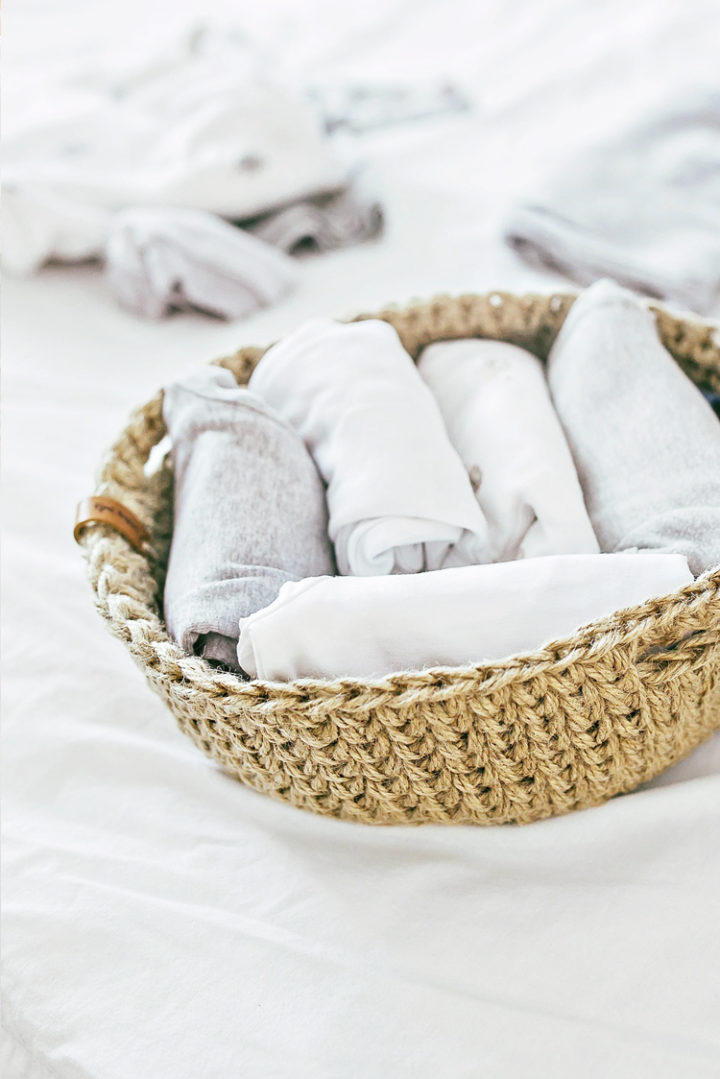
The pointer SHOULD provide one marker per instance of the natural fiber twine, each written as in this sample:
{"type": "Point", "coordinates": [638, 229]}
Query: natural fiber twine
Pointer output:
{"type": "Point", "coordinates": [564, 728]}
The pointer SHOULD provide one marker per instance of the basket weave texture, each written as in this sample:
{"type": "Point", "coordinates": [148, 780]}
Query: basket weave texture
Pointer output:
{"type": "Point", "coordinates": [564, 728]}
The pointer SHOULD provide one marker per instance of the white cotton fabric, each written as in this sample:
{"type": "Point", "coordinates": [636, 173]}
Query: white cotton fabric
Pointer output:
{"type": "Point", "coordinates": [163, 259]}
{"type": "Point", "coordinates": [399, 498]}
{"type": "Point", "coordinates": [200, 123]}
{"type": "Point", "coordinates": [497, 409]}
{"type": "Point", "coordinates": [335, 627]}
{"type": "Point", "coordinates": [645, 441]}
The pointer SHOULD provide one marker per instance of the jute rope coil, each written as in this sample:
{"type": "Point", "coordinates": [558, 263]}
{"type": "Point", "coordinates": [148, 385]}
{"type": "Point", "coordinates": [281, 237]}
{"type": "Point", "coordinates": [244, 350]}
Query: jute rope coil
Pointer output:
{"type": "Point", "coordinates": [563, 728]}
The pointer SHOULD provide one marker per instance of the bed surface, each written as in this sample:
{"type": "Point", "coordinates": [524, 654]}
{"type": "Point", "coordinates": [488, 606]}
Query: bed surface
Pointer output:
{"type": "Point", "coordinates": [159, 919]}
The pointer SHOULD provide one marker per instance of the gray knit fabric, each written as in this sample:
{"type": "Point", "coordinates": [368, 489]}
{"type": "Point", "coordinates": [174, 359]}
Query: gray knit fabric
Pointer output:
{"type": "Point", "coordinates": [250, 512]}
{"type": "Point", "coordinates": [646, 443]}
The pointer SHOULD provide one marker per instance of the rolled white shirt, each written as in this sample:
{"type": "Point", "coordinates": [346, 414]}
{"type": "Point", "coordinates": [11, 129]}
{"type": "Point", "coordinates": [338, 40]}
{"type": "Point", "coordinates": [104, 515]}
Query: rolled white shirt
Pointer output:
{"type": "Point", "coordinates": [335, 627]}
{"type": "Point", "coordinates": [399, 497]}
{"type": "Point", "coordinates": [496, 405]}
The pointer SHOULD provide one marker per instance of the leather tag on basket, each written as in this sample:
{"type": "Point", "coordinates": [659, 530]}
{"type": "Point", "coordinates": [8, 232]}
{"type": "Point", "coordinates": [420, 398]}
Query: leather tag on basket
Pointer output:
{"type": "Point", "coordinates": [108, 511]}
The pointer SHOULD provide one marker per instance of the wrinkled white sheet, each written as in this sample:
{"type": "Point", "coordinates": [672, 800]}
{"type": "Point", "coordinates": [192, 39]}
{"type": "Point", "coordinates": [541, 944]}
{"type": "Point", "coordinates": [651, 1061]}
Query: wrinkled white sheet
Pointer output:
{"type": "Point", "coordinates": [160, 920]}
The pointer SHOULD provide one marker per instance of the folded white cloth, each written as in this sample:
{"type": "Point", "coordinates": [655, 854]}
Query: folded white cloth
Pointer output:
{"type": "Point", "coordinates": [249, 511]}
{"type": "Point", "coordinates": [644, 209]}
{"type": "Point", "coordinates": [646, 443]}
{"type": "Point", "coordinates": [399, 498]}
{"type": "Point", "coordinates": [335, 627]}
{"type": "Point", "coordinates": [159, 260]}
{"type": "Point", "coordinates": [497, 409]}
{"type": "Point", "coordinates": [198, 124]}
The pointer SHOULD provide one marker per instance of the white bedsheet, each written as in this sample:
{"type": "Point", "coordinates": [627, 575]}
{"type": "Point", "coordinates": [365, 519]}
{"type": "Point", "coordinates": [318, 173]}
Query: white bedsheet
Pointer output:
{"type": "Point", "coordinates": [161, 921]}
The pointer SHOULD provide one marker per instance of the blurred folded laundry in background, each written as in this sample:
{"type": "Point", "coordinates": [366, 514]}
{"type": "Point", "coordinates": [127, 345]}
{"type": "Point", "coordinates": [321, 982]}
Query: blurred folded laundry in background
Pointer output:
{"type": "Point", "coordinates": [135, 158]}
{"type": "Point", "coordinates": [323, 223]}
{"type": "Point", "coordinates": [643, 208]}
{"type": "Point", "coordinates": [201, 127]}
{"type": "Point", "coordinates": [160, 260]}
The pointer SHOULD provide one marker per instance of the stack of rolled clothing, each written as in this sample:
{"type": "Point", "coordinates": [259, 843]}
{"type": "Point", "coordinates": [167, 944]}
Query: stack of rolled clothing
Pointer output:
{"type": "Point", "coordinates": [475, 506]}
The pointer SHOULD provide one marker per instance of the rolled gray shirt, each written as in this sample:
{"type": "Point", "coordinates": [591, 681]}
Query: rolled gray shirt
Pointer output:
{"type": "Point", "coordinates": [249, 513]}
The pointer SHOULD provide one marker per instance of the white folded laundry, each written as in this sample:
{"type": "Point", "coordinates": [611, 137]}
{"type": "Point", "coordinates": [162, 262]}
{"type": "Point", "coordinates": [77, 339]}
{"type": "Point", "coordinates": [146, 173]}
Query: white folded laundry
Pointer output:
{"type": "Point", "coordinates": [399, 498]}
{"type": "Point", "coordinates": [335, 627]}
{"type": "Point", "coordinates": [645, 441]}
{"type": "Point", "coordinates": [497, 409]}
{"type": "Point", "coordinates": [200, 123]}
{"type": "Point", "coordinates": [159, 260]}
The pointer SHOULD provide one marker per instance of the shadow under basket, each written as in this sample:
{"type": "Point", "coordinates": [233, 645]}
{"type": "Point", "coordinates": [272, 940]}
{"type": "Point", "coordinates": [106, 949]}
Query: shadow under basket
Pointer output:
{"type": "Point", "coordinates": [570, 726]}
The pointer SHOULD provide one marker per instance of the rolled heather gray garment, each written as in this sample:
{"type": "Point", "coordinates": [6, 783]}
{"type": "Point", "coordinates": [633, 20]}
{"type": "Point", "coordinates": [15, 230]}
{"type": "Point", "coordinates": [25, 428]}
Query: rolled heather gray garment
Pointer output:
{"type": "Point", "coordinates": [250, 512]}
{"type": "Point", "coordinates": [646, 443]}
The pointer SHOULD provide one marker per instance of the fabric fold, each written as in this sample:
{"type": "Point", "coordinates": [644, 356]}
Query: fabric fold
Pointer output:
{"type": "Point", "coordinates": [646, 443]}
{"type": "Point", "coordinates": [497, 409]}
{"type": "Point", "coordinates": [250, 512]}
{"type": "Point", "coordinates": [325, 223]}
{"type": "Point", "coordinates": [399, 498]}
{"type": "Point", "coordinates": [197, 122]}
{"type": "Point", "coordinates": [336, 627]}
{"type": "Point", "coordinates": [159, 260]}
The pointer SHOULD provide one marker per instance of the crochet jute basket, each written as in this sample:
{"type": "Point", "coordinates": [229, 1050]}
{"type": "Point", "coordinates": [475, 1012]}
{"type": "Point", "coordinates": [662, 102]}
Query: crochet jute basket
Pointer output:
{"type": "Point", "coordinates": [564, 728]}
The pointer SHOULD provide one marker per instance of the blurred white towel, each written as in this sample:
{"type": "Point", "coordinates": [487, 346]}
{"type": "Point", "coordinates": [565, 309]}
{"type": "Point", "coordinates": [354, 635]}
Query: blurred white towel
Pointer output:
{"type": "Point", "coordinates": [644, 209]}
{"type": "Point", "coordinates": [497, 409]}
{"type": "Point", "coordinates": [398, 494]}
{"type": "Point", "coordinates": [335, 627]}
{"type": "Point", "coordinates": [198, 125]}
{"type": "Point", "coordinates": [159, 260]}
{"type": "Point", "coordinates": [646, 442]}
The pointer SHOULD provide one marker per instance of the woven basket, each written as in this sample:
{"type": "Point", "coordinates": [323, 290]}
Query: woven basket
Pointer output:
{"type": "Point", "coordinates": [570, 726]}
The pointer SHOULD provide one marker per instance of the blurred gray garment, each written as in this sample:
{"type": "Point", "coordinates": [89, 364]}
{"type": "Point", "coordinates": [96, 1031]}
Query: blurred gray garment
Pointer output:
{"type": "Point", "coordinates": [645, 441]}
{"type": "Point", "coordinates": [362, 108]}
{"type": "Point", "coordinates": [644, 209]}
{"type": "Point", "coordinates": [159, 260]}
{"type": "Point", "coordinates": [321, 224]}
{"type": "Point", "coordinates": [250, 512]}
